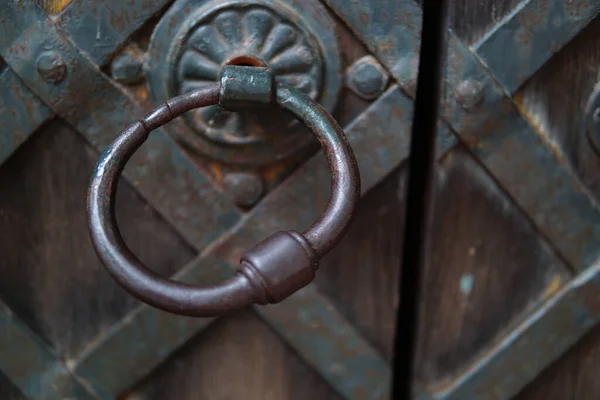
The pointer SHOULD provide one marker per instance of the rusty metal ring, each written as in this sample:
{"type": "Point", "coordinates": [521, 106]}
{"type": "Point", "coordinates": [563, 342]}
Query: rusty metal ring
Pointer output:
{"type": "Point", "coordinates": [269, 272]}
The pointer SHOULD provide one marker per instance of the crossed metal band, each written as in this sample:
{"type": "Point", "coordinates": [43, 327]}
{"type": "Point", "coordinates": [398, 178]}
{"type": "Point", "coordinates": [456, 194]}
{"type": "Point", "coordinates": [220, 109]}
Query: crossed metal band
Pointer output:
{"type": "Point", "coordinates": [491, 63]}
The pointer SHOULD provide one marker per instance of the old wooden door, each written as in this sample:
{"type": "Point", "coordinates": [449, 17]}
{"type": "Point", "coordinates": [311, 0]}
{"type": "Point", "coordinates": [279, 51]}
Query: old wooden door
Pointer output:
{"type": "Point", "coordinates": [513, 282]}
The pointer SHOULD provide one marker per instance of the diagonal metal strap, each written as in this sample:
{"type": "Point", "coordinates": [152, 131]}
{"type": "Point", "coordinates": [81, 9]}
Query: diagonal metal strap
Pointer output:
{"type": "Point", "coordinates": [545, 187]}
{"type": "Point", "coordinates": [31, 365]}
{"type": "Point", "coordinates": [21, 113]}
{"type": "Point", "coordinates": [526, 38]}
{"type": "Point", "coordinates": [100, 129]}
{"type": "Point", "coordinates": [532, 345]}
{"type": "Point", "coordinates": [160, 170]}
{"type": "Point", "coordinates": [524, 164]}
{"type": "Point", "coordinates": [100, 27]}
{"type": "Point", "coordinates": [308, 321]}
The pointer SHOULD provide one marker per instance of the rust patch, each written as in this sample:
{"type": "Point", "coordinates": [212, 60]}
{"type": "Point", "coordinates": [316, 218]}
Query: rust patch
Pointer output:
{"type": "Point", "coordinates": [364, 17]}
{"type": "Point", "coordinates": [576, 8]}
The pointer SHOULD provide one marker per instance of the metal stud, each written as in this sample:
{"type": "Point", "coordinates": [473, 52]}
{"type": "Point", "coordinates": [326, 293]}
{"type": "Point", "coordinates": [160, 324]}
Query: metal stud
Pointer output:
{"type": "Point", "coordinates": [244, 188]}
{"type": "Point", "coordinates": [469, 93]}
{"type": "Point", "coordinates": [51, 66]}
{"type": "Point", "coordinates": [367, 78]}
{"type": "Point", "coordinates": [127, 67]}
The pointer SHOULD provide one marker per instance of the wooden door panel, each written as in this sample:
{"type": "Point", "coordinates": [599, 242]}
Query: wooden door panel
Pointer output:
{"type": "Point", "coordinates": [509, 221]}
{"type": "Point", "coordinates": [472, 19]}
{"type": "Point", "coordinates": [51, 275]}
{"type": "Point", "coordinates": [361, 275]}
{"type": "Point", "coordinates": [237, 357]}
{"type": "Point", "coordinates": [488, 270]}
{"type": "Point", "coordinates": [556, 99]}
{"type": "Point", "coordinates": [573, 376]}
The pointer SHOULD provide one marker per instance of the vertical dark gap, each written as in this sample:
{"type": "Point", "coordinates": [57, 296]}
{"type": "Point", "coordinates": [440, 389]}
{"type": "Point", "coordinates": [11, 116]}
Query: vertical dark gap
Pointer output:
{"type": "Point", "coordinates": [419, 192]}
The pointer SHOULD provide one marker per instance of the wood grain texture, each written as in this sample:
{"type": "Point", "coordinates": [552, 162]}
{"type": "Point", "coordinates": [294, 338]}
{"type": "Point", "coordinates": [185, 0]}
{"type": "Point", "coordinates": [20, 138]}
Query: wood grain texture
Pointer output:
{"type": "Point", "coordinates": [574, 376]}
{"type": "Point", "coordinates": [239, 357]}
{"type": "Point", "coordinates": [555, 100]}
{"type": "Point", "coordinates": [487, 268]}
{"type": "Point", "coordinates": [471, 19]}
{"type": "Point", "coordinates": [51, 276]}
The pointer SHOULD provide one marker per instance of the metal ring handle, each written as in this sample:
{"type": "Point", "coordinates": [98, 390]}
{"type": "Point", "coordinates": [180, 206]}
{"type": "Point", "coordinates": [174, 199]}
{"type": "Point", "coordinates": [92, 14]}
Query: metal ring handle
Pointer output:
{"type": "Point", "coordinates": [275, 268]}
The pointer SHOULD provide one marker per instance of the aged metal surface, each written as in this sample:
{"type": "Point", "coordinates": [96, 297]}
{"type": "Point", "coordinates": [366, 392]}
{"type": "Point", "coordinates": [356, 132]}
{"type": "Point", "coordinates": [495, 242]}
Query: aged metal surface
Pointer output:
{"type": "Point", "coordinates": [203, 369]}
{"type": "Point", "coordinates": [295, 207]}
{"type": "Point", "coordinates": [188, 48]}
{"type": "Point", "coordinates": [272, 270]}
{"type": "Point", "coordinates": [495, 131]}
{"type": "Point", "coordinates": [536, 29]}
{"type": "Point", "coordinates": [525, 165]}
{"type": "Point", "coordinates": [31, 365]}
{"type": "Point", "coordinates": [340, 355]}
{"type": "Point", "coordinates": [531, 170]}
{"type": "Point", "coordinates": [99, 28]}
{"type": "Point", "coordinates": [51, 66]}
{"type": "Point", "coordinates": [21, 113]}
{"type": "Point", "coordinates": [159, 169]}
{"type": "Point", "coordinates": [532, 345]}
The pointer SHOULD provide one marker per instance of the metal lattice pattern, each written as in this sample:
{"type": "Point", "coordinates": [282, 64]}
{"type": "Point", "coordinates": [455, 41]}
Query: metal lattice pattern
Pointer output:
{"type": "Point", "coordinates": [535, 176]}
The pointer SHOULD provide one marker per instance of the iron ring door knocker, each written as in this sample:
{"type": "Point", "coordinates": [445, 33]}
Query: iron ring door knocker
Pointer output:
{"type": "Point", "coordinates": [272, 270]}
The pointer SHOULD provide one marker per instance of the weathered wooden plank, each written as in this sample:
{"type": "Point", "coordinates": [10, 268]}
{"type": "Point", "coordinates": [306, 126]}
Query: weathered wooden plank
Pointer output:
{"type": "Point", "coordinates": [488, 269]}
{"type": "Point", "coordinates": [100, 27]}
{"type": "Point", "coordinates": [99, 109]}
{"type": "Point", "coordinates": [522, 162]}
{"type": "Point", "coordinates": [31, 364]}
{"type": "Point", "coordinates": [573, 376]}
{"type": "Point", "coordinates": [50, 273]}
{"type": "Point", "coordinates": [239, 357]}
{"type": "Point", "coordinates": [295, 204]}
{"type": "Point", "coordinates": [472, 19]}
{"type": "Point", "coordinates": [555, 100]}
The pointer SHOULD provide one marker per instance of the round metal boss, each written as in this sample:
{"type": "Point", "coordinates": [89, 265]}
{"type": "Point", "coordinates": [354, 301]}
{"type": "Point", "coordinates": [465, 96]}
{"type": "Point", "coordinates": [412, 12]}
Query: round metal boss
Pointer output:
{"type": "Point", "coordinates": [195, 39]}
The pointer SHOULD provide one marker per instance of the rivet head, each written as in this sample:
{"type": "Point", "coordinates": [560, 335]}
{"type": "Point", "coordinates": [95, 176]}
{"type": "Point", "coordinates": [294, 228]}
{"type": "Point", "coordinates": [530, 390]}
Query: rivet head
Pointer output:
{"type": "Point", "coordinates": [244, 188]}
{"type": "Point", "coordinates": [367, 78]}
{"type": "Point", "coordinates": [469, 93]}
{"type": "Point", "coordinates": [51, 66]}
{"type": "Point", "coordinates": [127, 66]}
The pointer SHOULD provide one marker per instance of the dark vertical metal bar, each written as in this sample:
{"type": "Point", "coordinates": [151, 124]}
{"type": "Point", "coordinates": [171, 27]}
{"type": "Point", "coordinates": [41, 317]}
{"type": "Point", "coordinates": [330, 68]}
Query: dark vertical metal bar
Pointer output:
{"type": "Point", "coordinates": [420, 190]}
